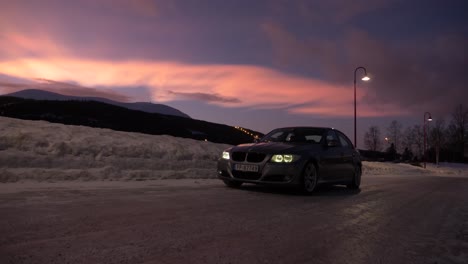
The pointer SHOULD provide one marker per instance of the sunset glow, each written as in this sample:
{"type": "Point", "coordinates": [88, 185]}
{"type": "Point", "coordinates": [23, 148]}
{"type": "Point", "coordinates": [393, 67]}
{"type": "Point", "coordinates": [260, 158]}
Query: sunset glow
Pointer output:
{"type": "Point", "coordinates": [234, 85]}
{"type": "Point", "coordinates": [243, 62]}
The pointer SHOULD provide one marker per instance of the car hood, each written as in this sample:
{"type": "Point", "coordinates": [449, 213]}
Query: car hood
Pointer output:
{"type": "Point", "coordinates": [274, 147]}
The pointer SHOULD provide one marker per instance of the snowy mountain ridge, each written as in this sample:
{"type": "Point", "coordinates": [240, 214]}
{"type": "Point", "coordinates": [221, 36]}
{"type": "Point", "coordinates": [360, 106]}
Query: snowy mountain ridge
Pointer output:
{"type": "Point", "coordinates": [37, 94]}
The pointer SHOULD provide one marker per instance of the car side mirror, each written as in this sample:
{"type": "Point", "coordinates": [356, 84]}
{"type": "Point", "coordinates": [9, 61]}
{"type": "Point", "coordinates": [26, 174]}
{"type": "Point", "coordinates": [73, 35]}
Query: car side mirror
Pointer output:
{"type": "Point", "coordinates": [332, 143]}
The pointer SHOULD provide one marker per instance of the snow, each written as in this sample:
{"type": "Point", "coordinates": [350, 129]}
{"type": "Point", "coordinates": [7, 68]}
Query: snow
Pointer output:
{"type": "Point", "coordinates": [47, 152]}
{"type": "Point", "coordinates": [43, 151]}
{"type": "Point", "coordinates": [403, 169]}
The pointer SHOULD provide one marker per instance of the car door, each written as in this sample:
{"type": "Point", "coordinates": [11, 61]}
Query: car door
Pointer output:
{"type": "Point", "coordinates": [347, 157]}
{"type": "Point", "coordinates": [331, 157]}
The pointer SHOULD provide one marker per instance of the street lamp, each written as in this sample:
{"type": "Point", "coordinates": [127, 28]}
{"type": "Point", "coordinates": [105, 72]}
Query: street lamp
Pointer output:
{"type": "Point", "coordinates": [429, 118]}
{"type": "Point", "coordinates": [365, 78]}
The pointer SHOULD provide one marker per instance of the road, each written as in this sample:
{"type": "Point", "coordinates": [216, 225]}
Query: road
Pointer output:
{"type": "Point", "coordinates": [419, 219]}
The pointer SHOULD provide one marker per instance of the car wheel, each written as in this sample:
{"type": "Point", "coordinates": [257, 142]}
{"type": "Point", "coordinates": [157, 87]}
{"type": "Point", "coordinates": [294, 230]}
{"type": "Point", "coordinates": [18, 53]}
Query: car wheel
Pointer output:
{"type": "Point", "coordinates": [356, 178]}
{"type": "Point", "coordinates": [309, 178]}
{"type": "Point", "coordinates": [232, 184]}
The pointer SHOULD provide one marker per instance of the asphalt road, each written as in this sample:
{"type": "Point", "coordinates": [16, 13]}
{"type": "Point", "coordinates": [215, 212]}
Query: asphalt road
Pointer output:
{"type": "Point", "coordinates": [390, 220]}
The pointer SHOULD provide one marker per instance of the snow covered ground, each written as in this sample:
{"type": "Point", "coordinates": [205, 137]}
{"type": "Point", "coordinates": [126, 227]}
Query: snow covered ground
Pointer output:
{"type": "Point", "coordinates": [43, 151]}
{"type": "Point", "coordinates": [403, 169]}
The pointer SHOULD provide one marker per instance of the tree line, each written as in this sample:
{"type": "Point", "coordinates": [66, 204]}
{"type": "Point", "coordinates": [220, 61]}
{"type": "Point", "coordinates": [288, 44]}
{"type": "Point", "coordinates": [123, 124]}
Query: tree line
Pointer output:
{"type": "Point", "coordinates": [446, 140]}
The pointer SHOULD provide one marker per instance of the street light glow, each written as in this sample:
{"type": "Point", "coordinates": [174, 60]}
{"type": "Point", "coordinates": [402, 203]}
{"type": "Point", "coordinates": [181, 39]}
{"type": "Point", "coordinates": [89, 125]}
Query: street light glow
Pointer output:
{"type": "Point", "coordinates": [365, 78]}
{"type": "Point", "coordinates": [429, 118]}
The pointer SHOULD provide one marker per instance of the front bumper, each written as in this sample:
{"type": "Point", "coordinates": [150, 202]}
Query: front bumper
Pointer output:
{"type": "Point", "coordinates": [268, 173]}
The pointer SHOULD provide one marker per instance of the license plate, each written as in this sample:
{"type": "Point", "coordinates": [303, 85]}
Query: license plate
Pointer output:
{"type": "Point", "coordinates": [246, 167]}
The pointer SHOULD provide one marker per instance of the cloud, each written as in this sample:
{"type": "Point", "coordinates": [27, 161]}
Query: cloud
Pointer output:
{"type": "Point", "coordinates": [172, 51]}
{"type": "Point", "coordinates": [414, 77]}
{"type": "Point", "coordinates": [225, 85]}
{"type": "Point", "coordinates": [205, 97]}
{"type": "Point", "coordinates": [327, 12]}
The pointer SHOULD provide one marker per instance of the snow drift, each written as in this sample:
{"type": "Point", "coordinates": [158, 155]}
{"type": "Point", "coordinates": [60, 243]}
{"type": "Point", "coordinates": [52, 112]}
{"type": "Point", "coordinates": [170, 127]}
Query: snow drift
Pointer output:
{"type": "Point", "coordinates": [38, 150]}
{"type": "Point", "coordinates": [42, 151]}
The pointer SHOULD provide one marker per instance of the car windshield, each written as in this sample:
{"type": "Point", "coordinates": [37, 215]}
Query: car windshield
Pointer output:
{"type": "Point", "coordinates": [302, 135]}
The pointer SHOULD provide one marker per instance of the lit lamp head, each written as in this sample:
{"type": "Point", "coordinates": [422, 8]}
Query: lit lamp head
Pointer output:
{"type": "Point", "coordinates": [429, 118]}
{"type": "Point", "coordinates": [365, 78]}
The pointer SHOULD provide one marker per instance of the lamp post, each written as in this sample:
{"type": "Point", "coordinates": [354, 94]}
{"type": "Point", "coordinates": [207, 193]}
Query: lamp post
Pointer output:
{"type": "Point", "coordinates": [365, 78]}
{"type": "Point", "coordinates": [429, 118]}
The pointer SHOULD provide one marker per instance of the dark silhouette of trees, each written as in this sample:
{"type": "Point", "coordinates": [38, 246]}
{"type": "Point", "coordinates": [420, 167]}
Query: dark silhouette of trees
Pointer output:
{"type": "Point", "coordinates": [394, 132]}
{"type": "Point", "coordinates": [372, 139]}
{"type": "Point", "coordinates": [391, 152]}
{"type": "Point", "coordinates": [418, 140]}
{"type": "Point", "coordinates": [413, 140]}
{"type": "Point", "coordinates": [437, 137]}
{"type": "Point", "coordinates": [407, 155]}
{"type": "Point", "coordinates": [458, 131]}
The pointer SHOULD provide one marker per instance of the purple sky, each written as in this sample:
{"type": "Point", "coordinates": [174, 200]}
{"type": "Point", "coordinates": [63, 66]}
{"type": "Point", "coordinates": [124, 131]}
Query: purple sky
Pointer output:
{"type": "Point", "coordinates": [256, 64]}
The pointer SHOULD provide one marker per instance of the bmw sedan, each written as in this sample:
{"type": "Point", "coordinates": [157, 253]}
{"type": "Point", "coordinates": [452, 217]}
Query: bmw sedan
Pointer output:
{"type": "Point", "coordinates": [293, 156]}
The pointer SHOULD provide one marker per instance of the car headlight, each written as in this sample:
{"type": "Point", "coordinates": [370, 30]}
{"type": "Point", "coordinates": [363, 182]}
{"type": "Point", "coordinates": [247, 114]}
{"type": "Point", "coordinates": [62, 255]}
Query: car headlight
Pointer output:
{"type": "Point", "coordinates": [226, 155]}
{"type": "Point", "coordinates": [286, 158]}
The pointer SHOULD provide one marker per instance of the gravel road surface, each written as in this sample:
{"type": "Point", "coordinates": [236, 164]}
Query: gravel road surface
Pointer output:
{"type": "Point", "coordinates": [417, 219]}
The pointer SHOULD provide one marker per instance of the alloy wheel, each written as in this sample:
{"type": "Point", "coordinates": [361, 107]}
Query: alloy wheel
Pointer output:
{"type": "Point", "coordinates": [310, 178]}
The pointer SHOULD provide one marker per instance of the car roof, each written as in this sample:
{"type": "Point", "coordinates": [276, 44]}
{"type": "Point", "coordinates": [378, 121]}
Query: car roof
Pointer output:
{"type": "Point", "coordinates": [311, 127]}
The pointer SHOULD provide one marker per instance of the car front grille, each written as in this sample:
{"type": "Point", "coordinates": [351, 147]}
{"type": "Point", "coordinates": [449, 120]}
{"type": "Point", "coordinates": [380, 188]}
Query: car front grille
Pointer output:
{"type": "Point", "coordinates": [252, 157]}
{"type": "Point", "coordinates": [255, 157]}
{"type": "Point", "coordinates": [244, 175]}
{"type": "Point", "coordinates": [238, 156]}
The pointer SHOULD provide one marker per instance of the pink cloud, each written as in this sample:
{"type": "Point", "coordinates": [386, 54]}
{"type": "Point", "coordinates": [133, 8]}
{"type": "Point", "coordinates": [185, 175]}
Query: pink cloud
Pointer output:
{"type": "Point", "coordinates": [225, 85]}
{"type": "Point", "coordinates": [39, 57]}
{"type": "Point", "coordinates": [405, 77]}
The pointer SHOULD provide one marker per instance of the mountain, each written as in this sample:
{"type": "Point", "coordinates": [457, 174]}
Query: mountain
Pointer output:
{"type": "Point", "coordinates": [103, 115]}
{"type": "Point", "coordinates": [36, 94]}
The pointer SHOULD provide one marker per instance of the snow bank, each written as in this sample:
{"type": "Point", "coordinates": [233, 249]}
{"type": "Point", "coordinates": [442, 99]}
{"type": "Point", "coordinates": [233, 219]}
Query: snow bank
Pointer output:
{"type": "Point", "coordinates": [43, 151]}
{"type": "Point", "coordinates": [395, 169]}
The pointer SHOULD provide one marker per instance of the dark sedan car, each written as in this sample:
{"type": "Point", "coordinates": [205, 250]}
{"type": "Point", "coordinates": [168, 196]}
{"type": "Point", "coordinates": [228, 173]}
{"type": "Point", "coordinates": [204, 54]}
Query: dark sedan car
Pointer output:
{"type": "Point", "coordinates": [293, 156]}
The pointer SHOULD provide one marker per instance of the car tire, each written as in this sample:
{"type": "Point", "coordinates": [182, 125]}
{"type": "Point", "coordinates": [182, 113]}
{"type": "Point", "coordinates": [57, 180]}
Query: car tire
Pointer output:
{"type": "Point", "coordinates": [356, 178]}
{"type": "Point", "coordinates": [232, 184]}
{"type": "Point", "coordinates": [309, 178]}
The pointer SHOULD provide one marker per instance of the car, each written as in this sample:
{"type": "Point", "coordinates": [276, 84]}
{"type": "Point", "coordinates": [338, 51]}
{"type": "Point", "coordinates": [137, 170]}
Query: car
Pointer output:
{"type": "Point", "coordinates": [303, 157]}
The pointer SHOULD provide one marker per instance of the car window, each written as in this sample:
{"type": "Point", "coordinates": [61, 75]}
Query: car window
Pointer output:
{"type": "Point", "coordinates": [279, 135]}
{"type": "Point", "coordinates": [313, 138]}
{"type": "Point", "coordinates": [345, 142]}
{"type": "Point", "coordinates": [331, 135]}
{"type": "Point", "coordinates": [276, 136]}
{"type": "Point", "coordinates": [299, 135]}
{"type": "Point", "coordinates": [306, 135]}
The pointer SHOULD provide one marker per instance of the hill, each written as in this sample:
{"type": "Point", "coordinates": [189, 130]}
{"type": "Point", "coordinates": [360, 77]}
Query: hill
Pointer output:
{"type": "Point", "coordinates": [102, 115]}
{"type": "Point", "coordinates": [141, 106]}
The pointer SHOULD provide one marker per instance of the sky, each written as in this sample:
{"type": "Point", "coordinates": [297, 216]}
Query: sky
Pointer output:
{"type": "Point", "coordinates": [257, 64]}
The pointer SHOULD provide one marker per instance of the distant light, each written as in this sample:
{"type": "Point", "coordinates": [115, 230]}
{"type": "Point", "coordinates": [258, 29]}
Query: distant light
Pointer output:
{"type": "Point", "coordinates": [429, 119]}
{"type": "Point", "coordinates": [365, 78]}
